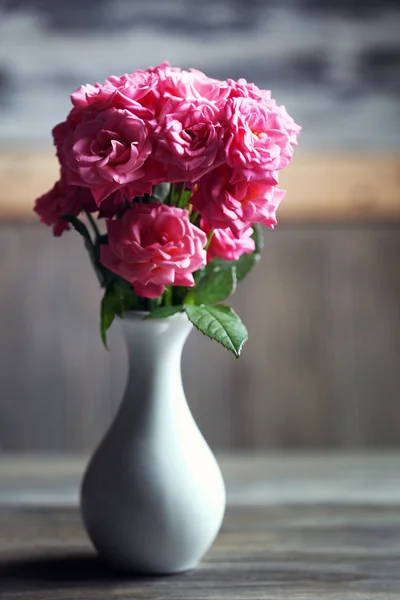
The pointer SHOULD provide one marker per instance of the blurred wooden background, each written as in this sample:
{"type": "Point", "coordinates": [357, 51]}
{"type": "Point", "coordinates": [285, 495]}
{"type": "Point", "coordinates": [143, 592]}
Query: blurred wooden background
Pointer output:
{"type": "Point", "coordinates": [321, 367]}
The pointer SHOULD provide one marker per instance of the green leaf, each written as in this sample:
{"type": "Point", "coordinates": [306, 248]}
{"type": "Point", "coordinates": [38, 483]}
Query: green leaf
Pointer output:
{"type": "Point", "coordinates": [128, 298]}
{"type": "Point", "coordinates": [216, 283]}
{"type": "Point", "coordinates": [219, 323]}
{"type": "Point", "coordinates": [245, 264]}
{"type": "Point", "coordinates": [110, 306]}
{"type": "Point", "coordinates": [118, 298]}
{"type": "Point", "coordinates": [164, 311]}
{"type": "Point", "coordinates": [258, 237]}
{"type": "Point", "coordinates": [247, 261]}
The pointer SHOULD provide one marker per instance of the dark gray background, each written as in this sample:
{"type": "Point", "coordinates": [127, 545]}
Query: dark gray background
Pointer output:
{"type": "Point", "coordinates": [335, 65]}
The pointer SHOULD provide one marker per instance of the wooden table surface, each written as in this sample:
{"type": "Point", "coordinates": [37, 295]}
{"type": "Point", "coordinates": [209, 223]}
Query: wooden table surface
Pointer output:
{"type": "Point", "coordinates": [297, 526]}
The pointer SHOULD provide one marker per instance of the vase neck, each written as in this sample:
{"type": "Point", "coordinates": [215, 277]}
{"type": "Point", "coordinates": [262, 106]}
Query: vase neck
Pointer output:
{"type": "Point", "coordinates": [150, 341]}
{"type": "Point", "coordinates": [154, 348]}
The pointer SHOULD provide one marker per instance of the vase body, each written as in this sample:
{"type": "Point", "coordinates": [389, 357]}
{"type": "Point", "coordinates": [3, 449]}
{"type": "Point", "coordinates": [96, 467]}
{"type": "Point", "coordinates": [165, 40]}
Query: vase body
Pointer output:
{"type": "Point", "coordinates": [153, 498]}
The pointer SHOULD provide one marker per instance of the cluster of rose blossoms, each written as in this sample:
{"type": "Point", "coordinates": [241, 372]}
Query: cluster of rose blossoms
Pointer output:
{"type": "Point", "coordinates": [225, 141]}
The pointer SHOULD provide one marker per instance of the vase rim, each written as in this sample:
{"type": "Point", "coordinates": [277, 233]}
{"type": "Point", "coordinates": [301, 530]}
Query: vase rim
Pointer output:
{"type": "Point", "coordinates": [138, 315]}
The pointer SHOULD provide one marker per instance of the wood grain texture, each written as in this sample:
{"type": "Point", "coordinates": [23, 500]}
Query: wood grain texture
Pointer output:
{"type": "Point", "coordinates": [320, 186]}
{"type": "Point", "coordinates": [273, 546]}
{"type": "Point", "coordinates": [251, 478]}
{"type": "Point", "coordinates": [320, 368]}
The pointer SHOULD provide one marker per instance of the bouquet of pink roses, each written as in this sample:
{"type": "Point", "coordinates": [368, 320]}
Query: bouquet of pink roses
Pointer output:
{"type": "Point", "coordinates": [183, 169]}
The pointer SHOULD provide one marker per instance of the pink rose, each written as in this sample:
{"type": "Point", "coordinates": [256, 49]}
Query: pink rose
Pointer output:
{"type": "Point", "coordinates": [191, 85]}
{"type": "Point", "coordinates": [62, 200]}
{"type": "Point", "coordinates": [225, 245]}
{"type": "Point", "coordinates": [224, 202]}
{"type": "Point", "coordinates": [163, 67]}
{"type": "Point", "coordinates": [114, 204]}
{"type": "Point", "coordinates": [152, 246]}
{"type": "Point", "coordinates": [242, 89]}
{"type": "Point", "coordinates": [214, 90]}
{"type": "Point", "coordinates": [257, 141]}
{"type": "Point", "coordinates": [123, 92]}
{"type": "Point", "coordinates": [64, 129]}
{"type": "Point", "coordinates": [292, 129]}
{"type": "Point", "coordinates": [107, 151]}
{"type": "Point", "coordinates": [189, 139]}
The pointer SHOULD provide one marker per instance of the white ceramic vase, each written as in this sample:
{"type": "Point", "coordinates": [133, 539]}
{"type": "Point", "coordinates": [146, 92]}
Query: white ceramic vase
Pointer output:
{"type": "Point", "coordinates": [153, 497]}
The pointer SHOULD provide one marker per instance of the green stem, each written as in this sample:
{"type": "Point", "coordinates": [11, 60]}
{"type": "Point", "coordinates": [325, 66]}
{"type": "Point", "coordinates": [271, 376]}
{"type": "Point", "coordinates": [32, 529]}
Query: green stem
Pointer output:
{"type": "Point", "coordinates": [159, 301]}
{"type": "Point", "coordinates": [168, 199]}
{"type": "Point", "coordinates": [209, 238]}
{"type": "Point", "coordinates": [93, 224]}
{"type": "Point", "coordinates": [190, 296]}
{"type": "Point", "coordinates": [194, 216]}
{"type": "Point", "coordinates": [180, 201]}
{"type": "Point", "coordinates": [152, 303]}
{"type": "Point", "coordinates": [168, 296]}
